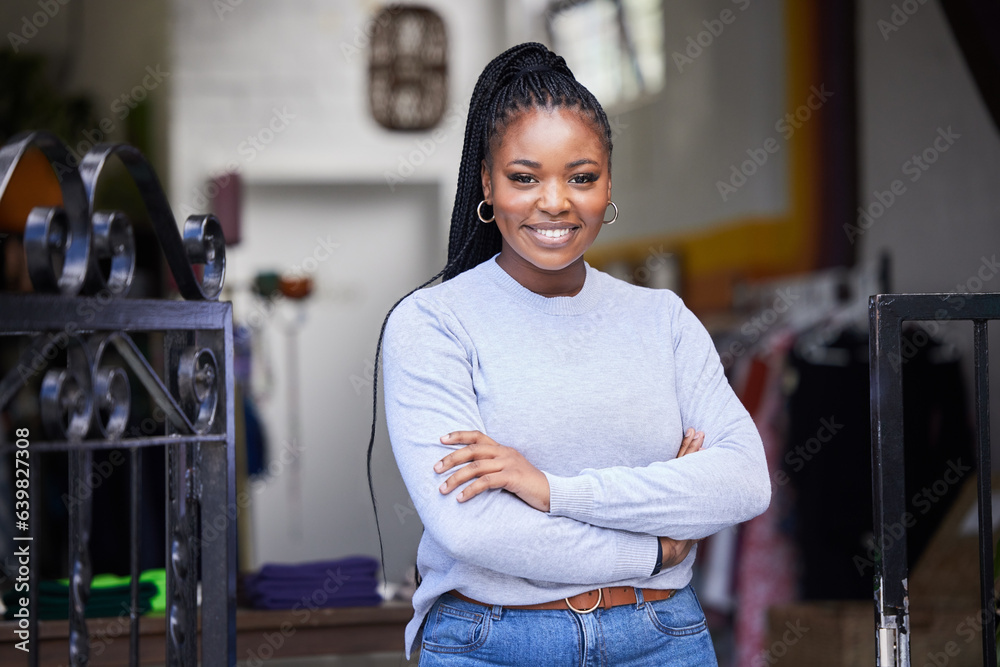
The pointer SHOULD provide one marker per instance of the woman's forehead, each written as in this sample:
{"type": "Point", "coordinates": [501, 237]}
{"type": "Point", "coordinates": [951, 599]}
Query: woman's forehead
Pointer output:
{"type": "Point", "coordinates": [550, 128]}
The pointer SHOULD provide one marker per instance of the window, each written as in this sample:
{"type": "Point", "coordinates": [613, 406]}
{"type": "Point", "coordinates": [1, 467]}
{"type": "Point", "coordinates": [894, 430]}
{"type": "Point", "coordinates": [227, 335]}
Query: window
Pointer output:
{"type": "Point", "coordinates": [614, 47]}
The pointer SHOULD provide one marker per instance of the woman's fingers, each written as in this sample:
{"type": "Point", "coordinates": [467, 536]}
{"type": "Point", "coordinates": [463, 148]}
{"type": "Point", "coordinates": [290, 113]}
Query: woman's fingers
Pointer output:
{"type": "Point", "coordinates": [490, 465]}
{"type": "Point", "coordinates": [475, 468]}
{"type": "Point", "coordinates": [675, 551]}
{"type": "Point", "coordinates": [486, 481]}
{"type": "Point", "coordinates": [480, 452]}
{"type": "Point", "coordinates": [465, 437]}
{"type": "Point", "coordinates": [477, 446]}
{"type": "Point", "coordinates": [692, 442]}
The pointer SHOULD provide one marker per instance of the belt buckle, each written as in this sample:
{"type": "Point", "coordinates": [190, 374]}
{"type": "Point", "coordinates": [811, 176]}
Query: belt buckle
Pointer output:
{"type": "Point", "coordinates": [600, 596]}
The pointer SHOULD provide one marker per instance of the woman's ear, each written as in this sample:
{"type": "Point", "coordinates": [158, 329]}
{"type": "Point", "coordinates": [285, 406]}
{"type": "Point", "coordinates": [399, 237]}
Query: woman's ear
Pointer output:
{"type": "Point", "coordinates": [487, 185]}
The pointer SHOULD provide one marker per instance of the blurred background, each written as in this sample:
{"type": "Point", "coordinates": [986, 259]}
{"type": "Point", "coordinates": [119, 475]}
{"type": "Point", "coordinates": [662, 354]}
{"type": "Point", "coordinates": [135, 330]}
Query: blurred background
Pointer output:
{"type": "Point", "coordinates": [775, 163]}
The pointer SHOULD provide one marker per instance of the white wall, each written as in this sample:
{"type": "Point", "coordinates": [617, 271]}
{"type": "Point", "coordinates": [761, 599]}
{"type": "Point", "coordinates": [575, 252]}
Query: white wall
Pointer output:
{"type": "Point", "coordinates": [363, 250]}
{"type": "Point", "coordinates": [306, 59]}
{"type": "Point", "coordinates": [913, 83]}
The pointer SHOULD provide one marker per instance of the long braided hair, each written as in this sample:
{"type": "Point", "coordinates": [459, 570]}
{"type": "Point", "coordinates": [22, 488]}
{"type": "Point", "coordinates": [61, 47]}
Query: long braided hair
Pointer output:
{"type": "Point", "coordinates": [523, 77]}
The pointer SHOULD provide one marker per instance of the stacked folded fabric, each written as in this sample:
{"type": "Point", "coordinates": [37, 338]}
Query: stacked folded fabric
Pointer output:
{"type": "Point", "coordinates": [110, 595]}
{"type": "Point", "coordinates": [347, 582]}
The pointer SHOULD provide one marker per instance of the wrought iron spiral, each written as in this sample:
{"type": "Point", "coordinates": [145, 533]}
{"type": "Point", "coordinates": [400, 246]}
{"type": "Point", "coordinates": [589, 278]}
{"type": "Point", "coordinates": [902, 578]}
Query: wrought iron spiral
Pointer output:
{"type": "Point", "coordinates": [66, 246]}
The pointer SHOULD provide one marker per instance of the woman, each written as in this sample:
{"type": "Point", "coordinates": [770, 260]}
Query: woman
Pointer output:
{"type": "Point", "coordinates": [540, 410]}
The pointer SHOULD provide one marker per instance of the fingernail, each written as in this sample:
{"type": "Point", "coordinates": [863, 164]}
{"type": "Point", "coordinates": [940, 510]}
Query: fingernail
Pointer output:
{"type": "Point", "coordinates": [443, 487]}
{"type": "Point", "coordinates": [439, 466]}
{"type": "Point", "coordinates": [461, 496]}
{"type": "Point", "coordinates": [689, 432]}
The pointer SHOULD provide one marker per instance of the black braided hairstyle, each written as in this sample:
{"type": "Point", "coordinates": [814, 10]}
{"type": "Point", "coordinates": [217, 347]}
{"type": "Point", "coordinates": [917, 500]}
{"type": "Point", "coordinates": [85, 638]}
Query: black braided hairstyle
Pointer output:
{"type": "Point", "coordinates": [526, 76]}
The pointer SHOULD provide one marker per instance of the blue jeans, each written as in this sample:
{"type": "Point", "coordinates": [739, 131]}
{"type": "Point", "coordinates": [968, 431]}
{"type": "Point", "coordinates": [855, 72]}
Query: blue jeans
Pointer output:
{"type": "Point", "coordinates": [646, 634]}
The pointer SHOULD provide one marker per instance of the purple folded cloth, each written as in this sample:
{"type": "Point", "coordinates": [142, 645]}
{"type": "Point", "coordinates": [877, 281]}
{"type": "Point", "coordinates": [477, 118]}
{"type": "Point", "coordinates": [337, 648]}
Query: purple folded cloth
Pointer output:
{"type": "Point", "coordinates": [352, 565]}
{"type": "Point", "coordinates": [281, 603]}
{"type": "Point", "coordinates": [346, 582]}
{"type": "Point", "coordinates": [335, 587]}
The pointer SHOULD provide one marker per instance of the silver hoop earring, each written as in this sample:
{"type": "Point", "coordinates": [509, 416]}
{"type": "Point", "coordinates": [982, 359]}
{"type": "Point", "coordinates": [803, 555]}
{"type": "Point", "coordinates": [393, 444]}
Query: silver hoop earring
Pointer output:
{"type": "Point", "coordinates": [612, 220]}
{"type": "Point", "coordinates": [479, 213]}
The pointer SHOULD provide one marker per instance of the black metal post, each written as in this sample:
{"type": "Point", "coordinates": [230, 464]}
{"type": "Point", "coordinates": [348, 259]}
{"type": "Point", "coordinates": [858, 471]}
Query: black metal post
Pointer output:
{"type": "Point", "coordinates": [135, 511]}
{"type": "Point", "coordinates": [887, 312]}
{"type": "Point", "coordinates": [985, 491]}
{"type": "Point", "coordinates": [891, 595]}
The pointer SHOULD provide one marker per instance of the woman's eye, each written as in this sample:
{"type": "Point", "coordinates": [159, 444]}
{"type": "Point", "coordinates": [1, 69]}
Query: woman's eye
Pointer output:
{"type": "Point", "coordinates": [522, 178]}
{"type": "Point", "coordinates": [589, 177]}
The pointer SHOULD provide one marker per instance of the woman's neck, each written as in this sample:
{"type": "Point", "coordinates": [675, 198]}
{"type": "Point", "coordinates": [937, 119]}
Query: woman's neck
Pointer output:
{"type": "Point", "coordinates": [567, 281]}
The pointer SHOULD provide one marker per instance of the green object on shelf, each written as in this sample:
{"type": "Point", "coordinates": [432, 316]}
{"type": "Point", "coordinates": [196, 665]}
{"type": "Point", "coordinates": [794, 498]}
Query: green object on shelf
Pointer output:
{"type": "Point", "coordinates": [159, 578]}
{"type": "Point", "coordinates": [110, 595]}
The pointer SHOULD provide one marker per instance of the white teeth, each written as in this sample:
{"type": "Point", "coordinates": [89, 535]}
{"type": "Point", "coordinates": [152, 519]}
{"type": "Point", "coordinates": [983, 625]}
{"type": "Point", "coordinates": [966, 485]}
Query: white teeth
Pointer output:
{"type": "Point", "coordinates": [553, 233]}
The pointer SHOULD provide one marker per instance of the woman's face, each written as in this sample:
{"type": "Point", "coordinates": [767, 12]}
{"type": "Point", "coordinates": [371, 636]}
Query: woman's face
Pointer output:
{"type": "Point", "coordinates": [549, 185]}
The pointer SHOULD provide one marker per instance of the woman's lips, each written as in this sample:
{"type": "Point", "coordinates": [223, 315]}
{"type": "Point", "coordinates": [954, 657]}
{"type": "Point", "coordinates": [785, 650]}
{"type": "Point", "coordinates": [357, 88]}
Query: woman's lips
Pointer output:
{"type": "Point", "coordinates": [552, 237]}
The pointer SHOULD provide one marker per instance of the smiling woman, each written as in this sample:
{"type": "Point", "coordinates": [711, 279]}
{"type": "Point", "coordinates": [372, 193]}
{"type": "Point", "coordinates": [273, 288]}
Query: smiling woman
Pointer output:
{"type": "Point", "coordinates": [549, 185]}
{"type": "Point", "coordinates": [544, 415]}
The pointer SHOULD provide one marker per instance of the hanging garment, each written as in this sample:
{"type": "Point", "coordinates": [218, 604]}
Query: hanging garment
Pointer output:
{"type": "Point", "coordinates": [828, 458]}
{"type": "Point", "coordinates": [766, 563]}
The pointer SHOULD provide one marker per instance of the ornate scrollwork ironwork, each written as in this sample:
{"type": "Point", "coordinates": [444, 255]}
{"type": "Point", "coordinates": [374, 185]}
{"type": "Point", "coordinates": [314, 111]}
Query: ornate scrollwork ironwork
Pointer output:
{"type": "Point", "coordinates": [112, 392]}
{"type": "Point", "coordinates": [196, 378]}
{"type": "Point", "coordinates": [57, 248]}
{"type": "Point", "coordinates": [89, 397]}
{"type": "Point", "coordinates": [77, 331]}
{"type": "Point", "coordinates": [71, 216]}
{"type": "Point", "coordinates": [64, 245]}
{"type": "Point", "coordinates": [67, 400]}
{"type": "Point", "coordinates": [114, 242]}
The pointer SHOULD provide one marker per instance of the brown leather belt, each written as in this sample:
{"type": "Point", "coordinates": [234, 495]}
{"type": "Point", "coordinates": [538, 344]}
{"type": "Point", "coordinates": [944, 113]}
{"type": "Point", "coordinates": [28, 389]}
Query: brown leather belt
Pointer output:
{"type": "Point", "coordinates": [584, 603]}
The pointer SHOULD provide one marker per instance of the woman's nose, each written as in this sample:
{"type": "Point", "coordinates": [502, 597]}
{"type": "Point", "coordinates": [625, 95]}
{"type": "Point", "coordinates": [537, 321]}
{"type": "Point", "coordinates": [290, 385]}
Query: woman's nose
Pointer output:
{"type": "Point", "coordinates": [552, 198]}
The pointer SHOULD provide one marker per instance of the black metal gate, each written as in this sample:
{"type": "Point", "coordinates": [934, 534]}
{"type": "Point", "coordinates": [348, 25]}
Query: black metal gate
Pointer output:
{"type": "Point", "coordinates": [887, 312]}
{"type": "Point", "coordinates": [76, 337]}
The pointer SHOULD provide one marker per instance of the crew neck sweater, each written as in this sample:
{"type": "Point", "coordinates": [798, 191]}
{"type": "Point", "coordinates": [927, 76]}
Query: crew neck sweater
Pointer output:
{"type": "Point", "coordinates": [596, 391]}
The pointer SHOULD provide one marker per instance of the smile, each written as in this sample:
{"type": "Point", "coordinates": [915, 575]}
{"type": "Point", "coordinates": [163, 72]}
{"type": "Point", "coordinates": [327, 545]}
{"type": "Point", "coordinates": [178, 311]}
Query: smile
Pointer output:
{"type": "Point", "coordinates": [552, 236]}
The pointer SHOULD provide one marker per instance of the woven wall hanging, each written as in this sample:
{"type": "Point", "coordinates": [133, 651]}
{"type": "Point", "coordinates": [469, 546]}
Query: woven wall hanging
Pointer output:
{"type": "Point", "coordinates": [408, 68]}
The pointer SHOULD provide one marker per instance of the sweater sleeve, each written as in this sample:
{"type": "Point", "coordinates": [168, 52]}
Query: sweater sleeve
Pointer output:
{"type": "Point", "coordinates": [694, 496]}
{"type": "Point", "coordinates": [428, 362]}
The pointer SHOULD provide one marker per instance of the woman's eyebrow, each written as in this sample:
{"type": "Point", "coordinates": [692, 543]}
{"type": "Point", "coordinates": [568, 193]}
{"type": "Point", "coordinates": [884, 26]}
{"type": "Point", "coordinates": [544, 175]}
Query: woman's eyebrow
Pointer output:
{"type": "Point", "coordinates": [527, 163]}
{"type": "Point", "coordinates": [537, 165]}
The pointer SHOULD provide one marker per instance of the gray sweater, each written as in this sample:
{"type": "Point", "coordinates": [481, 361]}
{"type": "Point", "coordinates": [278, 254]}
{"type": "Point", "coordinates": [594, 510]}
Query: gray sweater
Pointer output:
{"type": "Point", "coordinates": [596, 391]}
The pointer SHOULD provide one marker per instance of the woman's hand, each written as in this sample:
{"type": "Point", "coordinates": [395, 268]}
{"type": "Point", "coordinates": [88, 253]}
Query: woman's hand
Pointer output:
{"type": "Point", "coordinates": [692, 442]}
{"type": "Point", "coordinates": [675, 551]}
{"type": "Point", "coordinates": [495, 466]}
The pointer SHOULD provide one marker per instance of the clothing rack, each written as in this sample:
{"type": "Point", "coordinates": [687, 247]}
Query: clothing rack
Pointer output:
{"type": "Point", "coordinates": [819, 292]}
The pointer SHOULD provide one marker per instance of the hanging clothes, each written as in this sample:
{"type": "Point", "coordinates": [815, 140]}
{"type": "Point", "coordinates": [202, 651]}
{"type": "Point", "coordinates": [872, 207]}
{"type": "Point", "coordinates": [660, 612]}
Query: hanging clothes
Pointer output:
{"type": "Point", "coordinates": [828, 457]}
{"type": "Point", "coordinates": [766, 567]}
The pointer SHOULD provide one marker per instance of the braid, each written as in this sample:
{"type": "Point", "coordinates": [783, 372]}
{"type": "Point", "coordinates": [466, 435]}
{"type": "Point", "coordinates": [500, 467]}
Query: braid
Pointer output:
{"type": "Point", "coordinates": [523, 77]}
